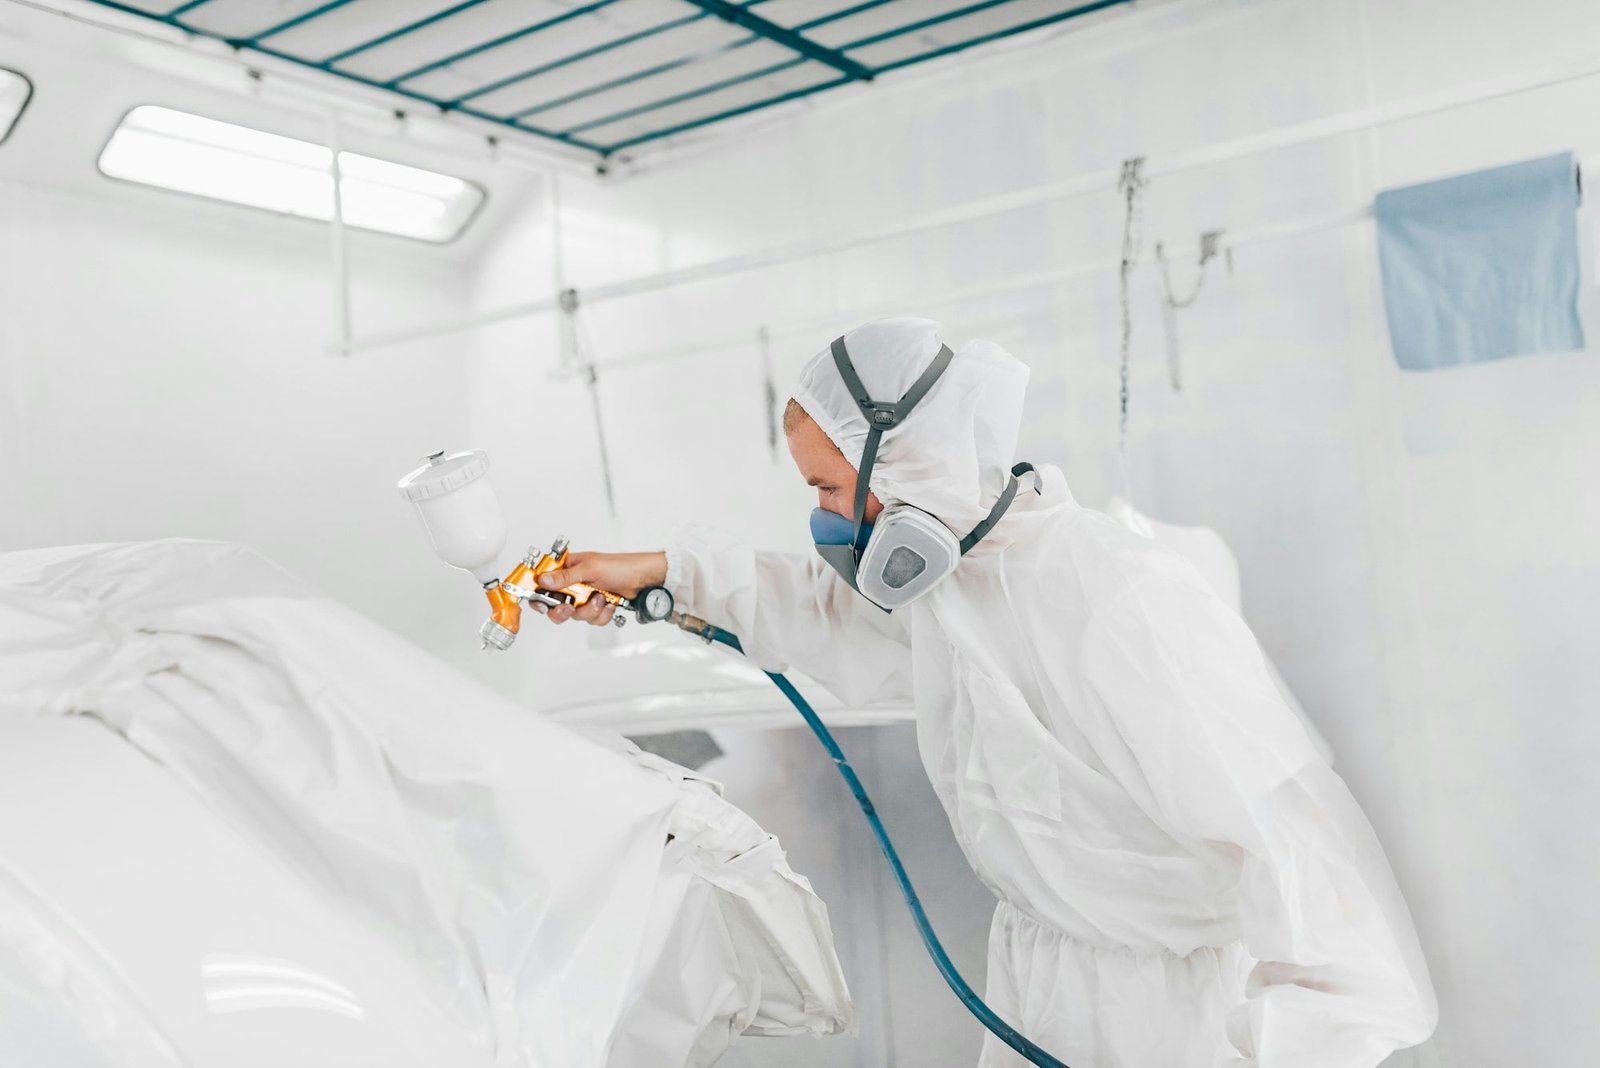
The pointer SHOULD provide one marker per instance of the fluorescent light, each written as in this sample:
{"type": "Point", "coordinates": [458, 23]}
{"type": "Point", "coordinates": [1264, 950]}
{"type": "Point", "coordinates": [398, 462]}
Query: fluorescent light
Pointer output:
{"type": "Point", "coordinates": [14, 93]}
{"type": "Point", "coordinates": [192, 154]}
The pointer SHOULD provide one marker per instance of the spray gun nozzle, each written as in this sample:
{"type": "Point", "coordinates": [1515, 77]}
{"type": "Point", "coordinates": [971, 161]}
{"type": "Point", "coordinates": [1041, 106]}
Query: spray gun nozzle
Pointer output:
{"type": "Point", "coordinates": [493, 634]}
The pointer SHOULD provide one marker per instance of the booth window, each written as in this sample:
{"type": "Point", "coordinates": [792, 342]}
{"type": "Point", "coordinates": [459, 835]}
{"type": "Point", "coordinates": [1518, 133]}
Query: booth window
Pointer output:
{"type": "Point", "coordinates": [15, 92]}
{"type": "Point", "coordinates": [187, 153]}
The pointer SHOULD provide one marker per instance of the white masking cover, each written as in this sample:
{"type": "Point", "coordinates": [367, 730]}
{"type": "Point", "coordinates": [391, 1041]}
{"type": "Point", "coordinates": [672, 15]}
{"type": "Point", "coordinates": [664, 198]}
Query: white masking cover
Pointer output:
{"type": "Point", "coordinates": [564, 898]}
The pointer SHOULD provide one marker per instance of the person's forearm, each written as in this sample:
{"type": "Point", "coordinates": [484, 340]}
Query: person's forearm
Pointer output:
{"type": "Point", "coordinates": [623, 573]}
{"type": "Point", "coordinates": [620, 573]}
{"type": "Point", "coordinates": [788, 609]}
{"type": "Point", "coordinates": [1341, 981]}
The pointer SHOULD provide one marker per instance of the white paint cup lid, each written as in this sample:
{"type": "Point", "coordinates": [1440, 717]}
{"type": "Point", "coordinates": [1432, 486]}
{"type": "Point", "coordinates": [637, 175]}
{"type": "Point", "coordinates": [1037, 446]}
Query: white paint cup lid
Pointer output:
{"type": "Point", "coordinates": [441, 474]}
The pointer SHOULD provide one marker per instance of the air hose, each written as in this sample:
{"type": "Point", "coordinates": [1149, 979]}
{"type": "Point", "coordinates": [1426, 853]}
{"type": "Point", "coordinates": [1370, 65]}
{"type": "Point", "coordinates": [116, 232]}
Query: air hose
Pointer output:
{"type": "Point", "coordinates": [986, 1016]}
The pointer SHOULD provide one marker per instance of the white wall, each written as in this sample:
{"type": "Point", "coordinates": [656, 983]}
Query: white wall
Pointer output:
{"type": "Point", "coordinates": [163, 364]}
{"type": "Point", "coordinates": [1417, 551]}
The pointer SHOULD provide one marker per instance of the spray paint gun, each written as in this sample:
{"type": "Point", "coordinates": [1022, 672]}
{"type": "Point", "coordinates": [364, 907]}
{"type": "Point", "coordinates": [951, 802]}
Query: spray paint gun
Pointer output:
{"type": "Point", "coordinates": [462, 515]}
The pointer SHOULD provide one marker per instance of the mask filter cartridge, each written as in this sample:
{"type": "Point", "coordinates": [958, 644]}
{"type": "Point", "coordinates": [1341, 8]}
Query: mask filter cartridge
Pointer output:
{"type": "Point", "coordinates": [902, 566]}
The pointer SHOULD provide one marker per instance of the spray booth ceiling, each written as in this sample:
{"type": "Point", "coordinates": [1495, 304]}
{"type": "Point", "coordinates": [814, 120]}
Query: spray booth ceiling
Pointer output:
{"type": "Point", "coordinates": [606, 75]}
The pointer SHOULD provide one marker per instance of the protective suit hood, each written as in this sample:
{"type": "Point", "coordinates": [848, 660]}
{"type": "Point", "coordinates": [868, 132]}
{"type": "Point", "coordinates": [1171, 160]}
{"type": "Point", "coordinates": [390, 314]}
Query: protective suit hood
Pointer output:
{"type": "Point", "coordinates": [952, 457]}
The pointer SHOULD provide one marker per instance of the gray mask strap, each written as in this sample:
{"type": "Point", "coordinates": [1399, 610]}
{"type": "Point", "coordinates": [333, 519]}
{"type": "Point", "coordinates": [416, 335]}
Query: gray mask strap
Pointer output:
{"type": "Point", "coordinates": [1010, 494]}
{"type": "Point", "coordinates": [880, 417]}
{"type": "Point", "coordinates": [924, 382]}
{"type": "Point", "coordinates": [884, 416]}
{"type": "Point", "coordinates": [869, 454]}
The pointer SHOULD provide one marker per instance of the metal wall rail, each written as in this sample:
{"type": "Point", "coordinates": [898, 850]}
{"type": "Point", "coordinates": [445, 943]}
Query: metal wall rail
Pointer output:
{"type": "Point", "coordinates": [1106, 269]}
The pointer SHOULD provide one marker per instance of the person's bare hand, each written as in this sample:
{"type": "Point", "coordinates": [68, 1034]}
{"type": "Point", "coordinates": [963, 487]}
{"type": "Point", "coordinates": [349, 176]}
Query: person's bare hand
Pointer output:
{"type": "Point", "coordinates": [624, 573]}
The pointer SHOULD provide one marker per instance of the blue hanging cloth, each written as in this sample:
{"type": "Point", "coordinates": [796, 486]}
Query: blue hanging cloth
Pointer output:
{"type": "Point", "coordinates": [1482, 266]}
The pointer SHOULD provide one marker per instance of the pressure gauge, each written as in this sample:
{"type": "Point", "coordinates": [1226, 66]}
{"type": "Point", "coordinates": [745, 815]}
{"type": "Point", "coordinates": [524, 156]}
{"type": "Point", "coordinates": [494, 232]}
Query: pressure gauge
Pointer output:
{"type": "Point", "coordinates": [653, 604]}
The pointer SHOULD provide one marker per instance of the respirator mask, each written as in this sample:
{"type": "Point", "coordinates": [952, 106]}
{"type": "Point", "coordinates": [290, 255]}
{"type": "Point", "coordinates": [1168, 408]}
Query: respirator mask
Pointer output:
{"type": "Point", "coordinates": [907, 551]}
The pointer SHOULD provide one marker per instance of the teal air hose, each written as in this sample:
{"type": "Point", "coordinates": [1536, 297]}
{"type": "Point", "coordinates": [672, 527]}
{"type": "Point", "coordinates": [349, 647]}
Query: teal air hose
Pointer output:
{"type": "Point", "coordinates": [986, 1016]}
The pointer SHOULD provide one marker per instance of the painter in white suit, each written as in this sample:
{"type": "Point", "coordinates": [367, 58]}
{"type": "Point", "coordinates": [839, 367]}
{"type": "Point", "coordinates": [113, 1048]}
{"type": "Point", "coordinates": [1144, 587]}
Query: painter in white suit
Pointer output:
{"type": "Point", "coordinates": [1183, 880]}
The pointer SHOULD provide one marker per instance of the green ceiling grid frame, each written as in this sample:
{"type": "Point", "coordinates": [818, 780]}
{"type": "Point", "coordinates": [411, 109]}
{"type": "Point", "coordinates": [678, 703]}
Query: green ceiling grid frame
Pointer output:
{"type": "Point", "coordinates": [586, 53]}
{"type": "Point", "coordinates": [737, 13]}
{"type": "Point", "coordinates": [853, 71]}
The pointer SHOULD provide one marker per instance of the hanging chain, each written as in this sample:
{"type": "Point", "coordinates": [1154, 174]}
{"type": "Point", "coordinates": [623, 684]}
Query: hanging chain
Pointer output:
{"type": "Point", "coordinates": [1131, 185]}
{"type": "Point", "coordinates": [1210, 248]}
{"type": "Point", "coordinates": [1171, 303]}
{"type": "Point", "coordinates": [769, 391]}
{"type": "Point", "coordinates": [579, 358]}
{"type": "Point", "coordinates": [567, 325]}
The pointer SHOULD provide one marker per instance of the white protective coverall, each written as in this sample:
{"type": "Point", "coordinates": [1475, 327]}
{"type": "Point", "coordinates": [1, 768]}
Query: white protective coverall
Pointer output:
{"type": "Point", "coordinates": [1184, 882]}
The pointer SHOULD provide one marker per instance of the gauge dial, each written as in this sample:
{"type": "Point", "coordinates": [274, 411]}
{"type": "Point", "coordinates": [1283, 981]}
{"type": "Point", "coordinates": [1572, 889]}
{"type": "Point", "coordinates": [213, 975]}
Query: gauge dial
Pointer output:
{"type": "Point", "coordinates": [655, 604]}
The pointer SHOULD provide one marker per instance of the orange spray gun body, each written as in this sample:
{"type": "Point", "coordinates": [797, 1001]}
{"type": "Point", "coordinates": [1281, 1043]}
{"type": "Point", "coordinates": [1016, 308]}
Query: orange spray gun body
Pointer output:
{"type": "Point", "coordinates": [461, 514]}
{"type": "Point", "coordinates": [521, 586]}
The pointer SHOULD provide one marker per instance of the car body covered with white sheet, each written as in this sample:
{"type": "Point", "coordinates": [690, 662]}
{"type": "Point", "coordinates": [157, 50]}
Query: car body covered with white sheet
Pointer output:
{"type": "Point", "coordinates": [241, 824]}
